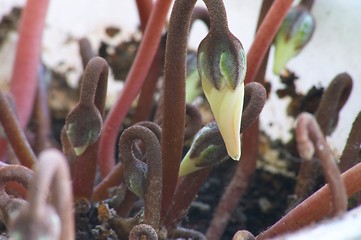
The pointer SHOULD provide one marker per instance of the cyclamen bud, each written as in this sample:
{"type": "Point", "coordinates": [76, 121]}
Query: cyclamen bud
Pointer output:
{"type": "Point", "coordinates": [83, 127]}
{"type": "Point", "coordinates": [207, 150]}
{"type": "Point", "coordinates": [222, 68]}
{"type": "Point", "coordinates": [294, 33]}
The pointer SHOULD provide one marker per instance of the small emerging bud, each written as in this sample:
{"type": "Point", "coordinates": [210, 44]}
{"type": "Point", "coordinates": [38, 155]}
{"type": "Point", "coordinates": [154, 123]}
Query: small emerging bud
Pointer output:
{"type": "Point", "coordinates": [294, 33]}
{"type": "Point", "coordinates": [135, 178]}
{"type": "Point", "coordinates": [207, 150]}
{"type": "Point", "coordinates": [83, 127]}
{"type": "Point", "coordinates": [222, 68]}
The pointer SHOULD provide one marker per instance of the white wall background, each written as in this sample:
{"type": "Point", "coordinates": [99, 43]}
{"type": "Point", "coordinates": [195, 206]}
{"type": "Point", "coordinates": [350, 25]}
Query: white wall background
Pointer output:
{"type": "Point", "coordinates": [334, 48]}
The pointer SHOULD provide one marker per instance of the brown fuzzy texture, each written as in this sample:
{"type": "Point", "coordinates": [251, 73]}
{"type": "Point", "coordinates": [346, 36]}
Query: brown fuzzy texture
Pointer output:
{"type": "Point", "coordinates": [137, 170]}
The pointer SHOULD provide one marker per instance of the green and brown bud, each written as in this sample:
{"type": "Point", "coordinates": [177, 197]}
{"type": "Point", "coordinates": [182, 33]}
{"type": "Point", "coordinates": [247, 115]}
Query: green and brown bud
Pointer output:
{"type": "Point", "coordinates": [294, 33]}
{"type": "Point", "coordinates": [207, 150]}
{"type": "Point", "coordinates": [222, 68]}
{"type": "Point", "coordinates": [83, 127]}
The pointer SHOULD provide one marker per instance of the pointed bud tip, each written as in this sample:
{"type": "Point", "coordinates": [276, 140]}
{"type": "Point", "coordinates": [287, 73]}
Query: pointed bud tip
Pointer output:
{"type": "Point", "coordinates": [80, 150]}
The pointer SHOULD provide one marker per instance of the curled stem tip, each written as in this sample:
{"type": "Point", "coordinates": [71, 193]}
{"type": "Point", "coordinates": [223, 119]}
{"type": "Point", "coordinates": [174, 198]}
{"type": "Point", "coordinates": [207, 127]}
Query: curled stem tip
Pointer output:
{"type": "Point", "coordinates": [14, 133]}
{"type": "Point", "coordinates": [332, 101]}
{"type": "Point", "coordinates": [9, 206]}
{"type": "Point", "coordinates": [144, 179]}
{"type": "Point", "coordinates": [143, 231]}
{"type": "Point", "coordinates": [310, 141]}
{"type": "Point", "coordinates": [84, 122]}
{"type": "Point", "coordinates": [51, 176]}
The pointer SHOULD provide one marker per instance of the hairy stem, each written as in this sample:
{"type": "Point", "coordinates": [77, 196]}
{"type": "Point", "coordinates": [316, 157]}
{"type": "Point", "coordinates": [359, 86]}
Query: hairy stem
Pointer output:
{"type": "Point", "coordinates": [114, 178]}
{"type": "Point", "coordinates": [93, 92]}
{"type": "Point", "coordinates": [310, 140]}
{"type": "Point", "coordinates": [174, 87]}
{"type": "Point", "coordinates": [245, 169]}
{"type": "Point", "coordinates": [15, 135]}
{"type": "Point", "coordinates": [351, 153]}
{"type": "Point", "coordinates": [52, 172]}
{"type": "Point", "coordinates": [86, 51]}
{"type": "Point", "coordinates": [42, 115]}
{"type": "Point", "coordinates": [188, 186]}
{"type": "Point", "coordinates": [133, 84]}
{"type": "Point", "coordinates": [332, 101]}
{"type": "Point", "coordinates": [8, 204]}
{"type": "Point", "coordinates": [237, 186]}
{"type": "Point", "coordinates": [143, 231]}
{"type": "Point", "coordinates": [153, 181]}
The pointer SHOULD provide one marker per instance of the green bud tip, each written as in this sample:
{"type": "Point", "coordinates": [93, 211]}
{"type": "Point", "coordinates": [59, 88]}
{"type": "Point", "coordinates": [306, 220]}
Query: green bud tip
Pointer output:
{"type": "Point", "coordinates": [222, 67]}
{"type": "Point", "coordinates": [293, 35]}
{"type": "Point", "coordinates": [207, 150]}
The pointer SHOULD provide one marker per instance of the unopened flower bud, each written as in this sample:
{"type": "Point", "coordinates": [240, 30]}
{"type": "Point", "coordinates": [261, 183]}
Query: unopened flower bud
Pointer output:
{"type": "Point", "coordinates": [83, 127]}
{"type": "Point", "coordinates": [207, 150]}
{"type": "Point", "coordinates": [222, 68]}
{"type": "Point", "coordinates": [294, 33]}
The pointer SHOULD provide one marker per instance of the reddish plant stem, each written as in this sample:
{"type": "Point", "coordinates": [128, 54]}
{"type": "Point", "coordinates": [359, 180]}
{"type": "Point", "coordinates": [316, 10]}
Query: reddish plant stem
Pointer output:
{"type": "Point", "coordinates": [238, 184]}
{"type": "Point", "coordinates": [314, 208]}
{"type": "Point", "coordinates": [187, 190]}
{"type": "Point", "coordinates": [144, 10]}
{"type": "Point", "coordinates": [52, 172]}
{"type": "Point", "coordinates": [68, 151]}
{"type": "Point", "coordinates": [174, 87]}
{"type": "Point", "coordinates": [8, 204]}
{"type": "Point", "coordinates": [260, 76]}
{"type": "Point", "coordinates": [86, 51]}
{"type": "Point", "coordinates": [310, 140]}
{"type": "Point", "coordinates": [43, 138]}
{"type": "Point", "coordinates": [174, 97]}
{"type": "Point", "coordinates": [188, 186]}
{"type": "Point", "coordinates": [28, 52]}
{"type": "Point", "coordinates": [15, 135]}
{"type": "Point", "coordinates": [247, 166]}
{"type": "Point", "coordinates": [153, 181]}
{"type": "Point", "coordinates": [114, 178]}
{"type": "Point", "coordinates": [265, 35]}
{"type": "Point", "coordinates": [143, 231]}
{"type": "Point", "coordinates": [145, 101]}
{"type": "Point", "coordinates": [93, 92]}
{"type": "Point", "coordinates": [133, 84]}
{"type": "Point", "coordinates": [193, 122]}
{"type": "Point", "coordinates": [124, 209]}
{"type": "Point", "coordinates": [332, 101]}
{"type": "Point", "coordinates": [351, 153]}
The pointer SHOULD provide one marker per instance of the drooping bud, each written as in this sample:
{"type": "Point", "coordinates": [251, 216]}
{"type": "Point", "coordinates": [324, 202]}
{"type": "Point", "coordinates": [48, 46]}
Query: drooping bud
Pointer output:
{"type": "Point", "coordinates": [207, 150]}
{"type": "Point", "coordinates": [294, 33]}
{"type": "Point", "coordinates": [222, 68]}
{"type": "Point", "coordinates": [83, 127]}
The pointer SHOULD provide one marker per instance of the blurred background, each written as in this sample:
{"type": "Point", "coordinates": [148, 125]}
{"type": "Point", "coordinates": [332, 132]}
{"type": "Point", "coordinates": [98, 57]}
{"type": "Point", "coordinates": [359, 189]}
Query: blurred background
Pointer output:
{"type": "Point", "coordinates": [333, 49]}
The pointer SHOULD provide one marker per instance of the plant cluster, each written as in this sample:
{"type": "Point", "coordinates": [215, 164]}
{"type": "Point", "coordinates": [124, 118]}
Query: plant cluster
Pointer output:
{"type": "Point", "coordinates": [83, 190]}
